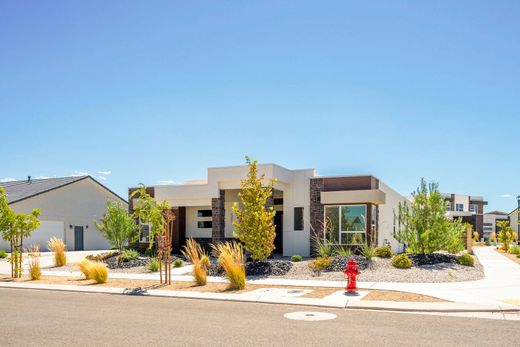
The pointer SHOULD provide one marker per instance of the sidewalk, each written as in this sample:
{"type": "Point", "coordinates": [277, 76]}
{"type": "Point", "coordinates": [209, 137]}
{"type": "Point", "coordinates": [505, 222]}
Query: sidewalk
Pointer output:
{"type": "Point", "coordinates": [500, 287]}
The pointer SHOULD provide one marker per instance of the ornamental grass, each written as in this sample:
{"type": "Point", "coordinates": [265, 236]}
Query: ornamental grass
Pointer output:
{"type": "Point", "coordinates": [231, 258]}
{"type": "Point", "coordinates": [34, 268]}
{"type": "Point", "coordinates": [200, 260]}
{"type": "Point", "coordinates": [57, 246]}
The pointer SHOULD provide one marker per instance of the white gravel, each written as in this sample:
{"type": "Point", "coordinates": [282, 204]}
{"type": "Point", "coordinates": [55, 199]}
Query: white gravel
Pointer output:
{"type": "Point", "coordinates": [381, 270]}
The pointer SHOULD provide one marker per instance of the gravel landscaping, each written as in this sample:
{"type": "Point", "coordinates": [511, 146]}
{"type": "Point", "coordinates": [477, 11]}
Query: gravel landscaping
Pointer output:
{"type": "Point", "coordinates": [381, 270]}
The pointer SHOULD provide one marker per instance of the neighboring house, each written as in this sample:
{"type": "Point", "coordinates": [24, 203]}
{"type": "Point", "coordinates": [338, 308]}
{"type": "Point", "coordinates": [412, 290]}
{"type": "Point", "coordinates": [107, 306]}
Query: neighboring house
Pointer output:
{"type": "Point", "coordinates": [490, 222]}
{"type": "Point", "coordinates": [359, 209]}
{"type": "Point", "coordinates": [470, 209]}
{"type": "Point", "coordinates": [513, 217]}
{"type": "Point", "coordinates": [69, 207]}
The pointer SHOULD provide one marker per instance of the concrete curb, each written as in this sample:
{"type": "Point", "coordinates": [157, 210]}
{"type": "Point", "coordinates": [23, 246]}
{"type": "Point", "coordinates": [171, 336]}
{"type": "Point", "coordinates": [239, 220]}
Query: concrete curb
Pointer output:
{"type": "Point", "coordinates": [244, 297]}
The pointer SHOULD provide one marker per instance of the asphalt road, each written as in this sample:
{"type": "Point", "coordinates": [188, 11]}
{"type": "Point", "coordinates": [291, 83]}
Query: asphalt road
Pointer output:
{"type": "Point", "coordinates": [36, 318]}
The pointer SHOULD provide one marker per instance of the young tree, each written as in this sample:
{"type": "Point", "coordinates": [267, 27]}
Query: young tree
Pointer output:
{"type": "Point", "coordinates": [425, 228]}
{"type": "Point", "coordinates": [161, 218]}
{"type": "Point", "coordinates": [7, 223]}
{"type": "Point", "coordinates": [506, 235]}
{"type": "Point", "coordinates": [118, 226]}
{"type": "Point", "coordinates": [254, 219]}
{"type": "Point", "coordinates": [25, 224]}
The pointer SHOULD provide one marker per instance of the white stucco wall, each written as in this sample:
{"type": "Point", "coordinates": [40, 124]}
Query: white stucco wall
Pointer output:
{"type": "Point", "coordinates": [386, 217]}
{"type": "Point", "coordinates": [77, 204]}
{"type": "Point", "coordinates": [514, 219]}
{"type": "Point", "coordinates": [192, 229]}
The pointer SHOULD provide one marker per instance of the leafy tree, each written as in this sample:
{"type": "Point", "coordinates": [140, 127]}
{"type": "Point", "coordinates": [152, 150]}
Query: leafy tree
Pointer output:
{"type": "Point", "coordinates": [25, 224]}
{"type": "Point", "coordinates": [161, 218]}
{"type": "Point", "coordinates": [506, 234]}
{"type": "Point", "coordinates": [118, 226]}
{"type": "Point", "coordinates": [254, 219]}
{"type": "Point", "coordinates": [424, 226]}
{"type": "Point", "coordinates": [14, 228]}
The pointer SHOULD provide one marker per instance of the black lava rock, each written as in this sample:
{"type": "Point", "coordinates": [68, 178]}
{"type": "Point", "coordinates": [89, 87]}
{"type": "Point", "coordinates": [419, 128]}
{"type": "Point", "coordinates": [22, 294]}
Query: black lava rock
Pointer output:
{"type": "Point", "coordinates": [268, 268]}
{"type": "Point", "coordinates": [339, 263]}
{"type": "Point", "coordinates": [432, 259]}
{"type": "Point", "coordinates": [114, 263]}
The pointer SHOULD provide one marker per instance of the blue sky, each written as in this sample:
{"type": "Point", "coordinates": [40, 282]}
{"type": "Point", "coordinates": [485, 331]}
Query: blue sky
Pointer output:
{"type": "Point", "coordinates": [159, 91]}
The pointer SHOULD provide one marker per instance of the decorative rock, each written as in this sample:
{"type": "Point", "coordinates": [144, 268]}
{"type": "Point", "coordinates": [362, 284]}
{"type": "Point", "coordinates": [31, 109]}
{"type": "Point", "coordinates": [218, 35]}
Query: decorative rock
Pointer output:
{"type": "Point", "coordinates": [432, 259]}
{"type": "Point", "coordinates": [339, 263]}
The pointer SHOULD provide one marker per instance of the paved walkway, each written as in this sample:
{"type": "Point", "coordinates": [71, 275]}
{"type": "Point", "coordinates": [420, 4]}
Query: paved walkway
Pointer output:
{"type": "Point", "coordinates": [500, 286]}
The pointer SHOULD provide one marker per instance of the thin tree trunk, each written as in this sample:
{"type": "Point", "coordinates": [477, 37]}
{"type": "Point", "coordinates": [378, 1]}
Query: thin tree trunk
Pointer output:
{"type": "Point", "coordinates": [21, 250]}
{"type": "Point", "coordinates": [12, 259]}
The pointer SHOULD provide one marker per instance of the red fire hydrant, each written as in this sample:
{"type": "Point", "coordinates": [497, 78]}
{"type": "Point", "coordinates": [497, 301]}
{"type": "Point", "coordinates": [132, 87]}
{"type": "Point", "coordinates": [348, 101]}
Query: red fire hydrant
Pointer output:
{"type": "Point", "coordinates": [351, 271]}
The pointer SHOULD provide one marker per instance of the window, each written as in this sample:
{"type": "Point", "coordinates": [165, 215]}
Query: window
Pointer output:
{"type": "Point", "coordinates": [298, 218]}
{"type": "Point", "coordinates": [346, 224]}
{"type": "Point", "coordinates": [144, 231]}
{"type": "Point", "coordinates": [459, 207]}
{"type": "Point", "coordinates": [473, 208]}
{"type": "Point", "coordinates": [204, 213]}
{"type": "Point", "coordinates": [206, 224]}
{"type": "Point", "coordinates": [448, 206]}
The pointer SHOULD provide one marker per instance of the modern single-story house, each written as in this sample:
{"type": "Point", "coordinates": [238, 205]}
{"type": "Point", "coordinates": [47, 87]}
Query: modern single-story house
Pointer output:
{"type": "Point", "coordinates": [355, 209]}
{"type": "Point", "coordinates": [69, 208]}
{"type": "Point", "coordinates": [468, 208]}
{"type": "Point", "coordinates": [490, 222]}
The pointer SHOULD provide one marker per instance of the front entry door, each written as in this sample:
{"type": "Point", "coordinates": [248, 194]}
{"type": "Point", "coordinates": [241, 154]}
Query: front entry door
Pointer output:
{"type": "Point", "coordinates": [78, 238]}
{"type": "Point", "coordinates": [278, 241]}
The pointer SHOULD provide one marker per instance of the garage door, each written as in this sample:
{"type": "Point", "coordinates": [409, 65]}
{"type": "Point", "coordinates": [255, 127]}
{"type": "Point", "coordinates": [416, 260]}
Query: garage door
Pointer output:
{"type": "Point", "coordinates": [41, 235]}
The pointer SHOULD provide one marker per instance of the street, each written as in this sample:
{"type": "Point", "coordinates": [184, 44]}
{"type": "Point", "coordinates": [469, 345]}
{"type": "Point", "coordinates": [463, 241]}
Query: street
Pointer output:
{"type": "Point", "coordinates": [36, 318]}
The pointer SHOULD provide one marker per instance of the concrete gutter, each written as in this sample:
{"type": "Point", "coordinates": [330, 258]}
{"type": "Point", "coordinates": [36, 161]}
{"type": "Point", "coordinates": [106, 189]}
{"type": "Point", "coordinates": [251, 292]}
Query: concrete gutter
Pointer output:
{"type": "Point", "coordinates": [434, 307]}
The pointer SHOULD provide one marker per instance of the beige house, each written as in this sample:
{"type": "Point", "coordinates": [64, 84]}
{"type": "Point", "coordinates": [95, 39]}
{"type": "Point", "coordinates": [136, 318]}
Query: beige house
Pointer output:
{"type": "Point", "coordinates": [513, 217]}
{"type": "Point", "coordinates": [360, 209]}
{"type": "Point", "coordinates": [69, 208]}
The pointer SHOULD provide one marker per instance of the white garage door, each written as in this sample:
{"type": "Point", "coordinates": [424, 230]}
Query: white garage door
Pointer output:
{"type": "Point", "coordinates": [41, 235]}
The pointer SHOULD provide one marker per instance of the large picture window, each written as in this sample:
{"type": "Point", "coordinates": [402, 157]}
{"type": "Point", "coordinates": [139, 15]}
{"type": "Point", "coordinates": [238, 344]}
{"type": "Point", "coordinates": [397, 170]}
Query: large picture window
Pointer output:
{"type": "Point", "coordinates": [345, 224]}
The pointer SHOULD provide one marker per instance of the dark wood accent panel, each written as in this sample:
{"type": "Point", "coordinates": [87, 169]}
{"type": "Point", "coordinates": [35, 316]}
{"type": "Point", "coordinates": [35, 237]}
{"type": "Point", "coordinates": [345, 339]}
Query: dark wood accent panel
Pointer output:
{"type": "Point", "coordinates": [350, 183]}
{"type": "Point", "coordinates": [179, 230]}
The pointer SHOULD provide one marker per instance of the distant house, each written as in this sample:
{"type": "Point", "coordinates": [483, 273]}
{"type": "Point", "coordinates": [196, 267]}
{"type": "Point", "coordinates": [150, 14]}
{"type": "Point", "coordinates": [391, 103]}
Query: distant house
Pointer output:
{"type": "Point", "coordinates": [490, 222]}
{"type": "Point", "coordinates": [468, 208]}
{"type": "Point", "coordinates": [69, 207]}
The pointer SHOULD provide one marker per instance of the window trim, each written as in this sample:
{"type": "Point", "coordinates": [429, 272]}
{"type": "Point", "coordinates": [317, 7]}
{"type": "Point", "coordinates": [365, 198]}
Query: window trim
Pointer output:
{"type": "Point", "coordinates": [457, 207]}
{"type": "Point", "coordinates": [341, 233]}
{"type": "Point", "coordinates": [302, 221]}
{"type": "Point", "coordinates": [147, 239]}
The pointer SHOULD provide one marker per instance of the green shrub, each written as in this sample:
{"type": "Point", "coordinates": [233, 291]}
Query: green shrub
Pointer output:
{"type": "Point", "coordinates": [321, 248]}
{"type": "Point", "coordinates": [149, 252]}
{"type": "Point", "coordinates": [515, 250]}
{"type": "Point", "coordinates": [128, 254]}
{"type": "Point", "coordinates": [153, 264]}
{"type": "Point", "coordinates": [401, 261]}
{"type": "Point", "coordinates": [383, 252]}
{"type": "Point", "coordinates": [342, 251]}
{"type": "Point", "coordinates": [178, 262]}
{"type": "Point", "coordinates": [3, 254]}
{"type": "Point", "coordinates": [488, 243]}
{"type": "Point", "coordinates": [368, 252]}
{"type": "Point", "coordinates": [466, 260]}
{"type": "Point", "coordinates": [296, 258]}
{"type": "Point", "coordinates": [321, 263]}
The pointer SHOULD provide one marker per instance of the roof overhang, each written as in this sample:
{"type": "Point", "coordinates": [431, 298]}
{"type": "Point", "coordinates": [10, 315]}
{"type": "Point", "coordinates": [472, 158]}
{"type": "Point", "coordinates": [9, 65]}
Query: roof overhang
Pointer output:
{"type": "Point", "coordinates": [371, 196]}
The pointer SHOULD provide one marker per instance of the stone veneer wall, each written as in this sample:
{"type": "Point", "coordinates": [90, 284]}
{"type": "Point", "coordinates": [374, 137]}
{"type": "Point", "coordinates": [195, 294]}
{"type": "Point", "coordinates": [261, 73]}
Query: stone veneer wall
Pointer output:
{"type": "Point", "coordinates": [316, 210]}
{"type": "Point", "coordinates": [218, 217]}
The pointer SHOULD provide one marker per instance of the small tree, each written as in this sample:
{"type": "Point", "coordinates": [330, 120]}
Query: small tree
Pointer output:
{"type": "Point", "coordinates": [118, 226]}
{"type": "Point", "coordinates": [161, 218]}
{"type": "Point", "coordinates": [506, 234]}
{"type": "Point", "coordinates": [425, 228]}
{"type": "Point", "coordinates": [254, 219]}
{"type": "Point", "coordinates": [14, 228]}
